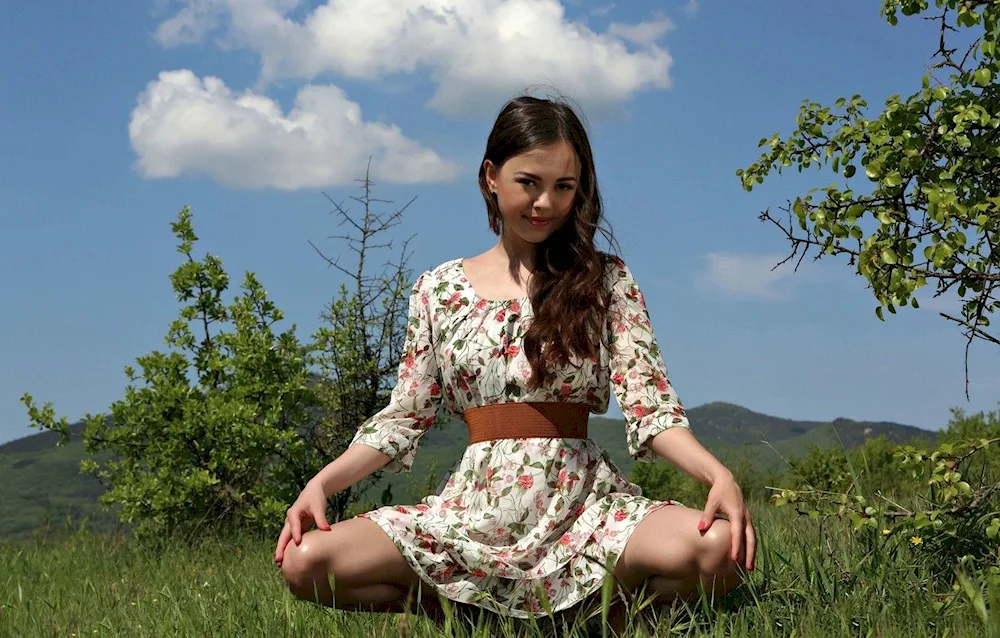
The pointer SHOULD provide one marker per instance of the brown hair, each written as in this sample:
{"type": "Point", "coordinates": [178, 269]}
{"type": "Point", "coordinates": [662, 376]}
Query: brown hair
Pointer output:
{"type": "Point", "coordinates": [567, 293]}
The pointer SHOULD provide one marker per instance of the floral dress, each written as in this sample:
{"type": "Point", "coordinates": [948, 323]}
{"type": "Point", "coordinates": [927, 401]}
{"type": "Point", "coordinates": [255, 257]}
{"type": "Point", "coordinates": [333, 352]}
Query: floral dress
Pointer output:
{"type": "Point", "coordinates": [519, 519]}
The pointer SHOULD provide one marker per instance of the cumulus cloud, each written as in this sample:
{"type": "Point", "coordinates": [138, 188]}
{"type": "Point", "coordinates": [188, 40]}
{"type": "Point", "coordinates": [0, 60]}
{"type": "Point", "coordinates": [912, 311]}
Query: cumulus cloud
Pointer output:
{"type": "Point", "coordinates": [644, 33]}
{"type": "Point", "coordinates": [476, 52]}
{"type": "Point", "coordinates": [195, 20]}
{"type": "Point", "coordinates": [186, 124]}
{"type": "Point", "coordinates": [601, 11]}
{"type": "Point", "coordinates": [746, 275]}
{"type": "Point", "coordinates": [949, 302]}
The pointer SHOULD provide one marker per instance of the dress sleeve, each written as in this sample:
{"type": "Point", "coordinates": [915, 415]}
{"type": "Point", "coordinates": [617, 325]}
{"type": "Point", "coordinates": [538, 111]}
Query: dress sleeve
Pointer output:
{"type": "Point", "coordinates": [638, 376]}
{"type": "Point", "coordinates": [413, 404]}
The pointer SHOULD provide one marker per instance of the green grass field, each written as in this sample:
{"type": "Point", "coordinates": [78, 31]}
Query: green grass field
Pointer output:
{"type": "Point", "coordinates": [813, 579]}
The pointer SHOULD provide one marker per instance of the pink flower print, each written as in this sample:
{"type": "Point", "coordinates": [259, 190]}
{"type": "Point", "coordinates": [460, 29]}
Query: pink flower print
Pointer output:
{"type": "Point", "coordinates": [566, 389]}
{"type": "Point", "coordinates": [618, 378]}
{"type": "Point", "coordinates": [480, 304]}
{"type": "Point", "coordinates": [565, 539]}
{"type": "Point", "coordinates": [525, 481]}
{"type": "Point", "coordinates": [639, 411]}
{"type": "Point", "coordinates": [435, 389]}
{"type": "Point", "coordinates": [513, 350]}
{"type": "Point", "coordinates": [620, 516]}
{"type": "Point", "coordinates": [500, 315]}
{"type": "Point", "coordinates": [422, 508]}
{"type": "Point", "coordinates": [661, 385]}
{"type": "Point", "coordinates": [563, 477]}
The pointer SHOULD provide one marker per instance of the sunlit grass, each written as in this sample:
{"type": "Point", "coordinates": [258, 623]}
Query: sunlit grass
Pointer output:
{"type": "Point", "coordinates": [810, 581]}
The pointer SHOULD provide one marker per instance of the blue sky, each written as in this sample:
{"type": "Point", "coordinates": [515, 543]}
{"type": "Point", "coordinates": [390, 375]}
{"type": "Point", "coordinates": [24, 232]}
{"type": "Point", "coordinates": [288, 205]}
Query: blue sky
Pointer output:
{"type": "Point", "coordinates": [113, 119]}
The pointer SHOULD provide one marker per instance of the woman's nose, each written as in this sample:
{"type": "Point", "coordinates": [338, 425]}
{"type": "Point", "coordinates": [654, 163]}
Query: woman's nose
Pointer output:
{"type": "Point", "coordinates": [543, 200]}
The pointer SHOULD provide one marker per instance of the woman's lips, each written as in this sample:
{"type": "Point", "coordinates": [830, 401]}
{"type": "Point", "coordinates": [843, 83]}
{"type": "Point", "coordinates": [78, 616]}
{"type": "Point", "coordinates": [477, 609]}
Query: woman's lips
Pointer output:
{"type": "Point", "coordinates": [539, 222]}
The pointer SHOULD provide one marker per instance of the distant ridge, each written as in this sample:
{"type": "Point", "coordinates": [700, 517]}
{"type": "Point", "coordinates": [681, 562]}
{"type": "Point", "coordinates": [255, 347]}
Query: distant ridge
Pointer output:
{"type": "Point", "coordinates": [41, 479]}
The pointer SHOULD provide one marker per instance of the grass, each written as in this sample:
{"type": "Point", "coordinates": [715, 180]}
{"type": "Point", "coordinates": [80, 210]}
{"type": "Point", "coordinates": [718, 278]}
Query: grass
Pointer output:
{"type": "Point", "coordinates": [813, 579]}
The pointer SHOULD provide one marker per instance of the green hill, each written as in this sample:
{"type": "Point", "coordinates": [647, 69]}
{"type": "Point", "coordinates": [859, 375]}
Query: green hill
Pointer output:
{"type": "Point", "coordinates": [42, 482]}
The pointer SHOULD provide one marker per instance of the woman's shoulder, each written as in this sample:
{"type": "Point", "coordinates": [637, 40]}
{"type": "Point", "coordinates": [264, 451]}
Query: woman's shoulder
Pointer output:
{"type": "Point", "coordinates": [615, 269]}
{"type": "Point", "coordinates": [430, 279]}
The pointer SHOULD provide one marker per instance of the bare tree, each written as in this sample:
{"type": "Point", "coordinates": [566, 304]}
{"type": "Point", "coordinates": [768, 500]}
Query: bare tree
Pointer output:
{"type": "Point", "coordinates": [359, 348]}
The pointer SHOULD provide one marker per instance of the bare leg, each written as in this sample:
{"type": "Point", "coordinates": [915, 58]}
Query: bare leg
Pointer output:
{"type": "Point", "coordinates": [671, 557]}
{"type": "Point", "coordinates": [367, 569]}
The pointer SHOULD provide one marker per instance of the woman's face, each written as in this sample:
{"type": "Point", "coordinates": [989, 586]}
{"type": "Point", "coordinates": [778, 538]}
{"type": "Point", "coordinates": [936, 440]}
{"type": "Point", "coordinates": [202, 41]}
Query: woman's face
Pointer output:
{"type": "Point", "coordinates": [535, 190]}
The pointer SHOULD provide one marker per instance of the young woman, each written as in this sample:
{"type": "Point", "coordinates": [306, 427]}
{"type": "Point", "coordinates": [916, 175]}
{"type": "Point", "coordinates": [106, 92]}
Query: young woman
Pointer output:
{"type": "Point", "coordinates": [523, 342]}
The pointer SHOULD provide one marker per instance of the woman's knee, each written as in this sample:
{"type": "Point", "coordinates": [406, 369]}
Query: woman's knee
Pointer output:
{"type": "Point", "coordinates": [353, 555]}
{"type": "Point", "coordinates": [715, 552]}
{"type": "Point", "coordinates": [306, 563]}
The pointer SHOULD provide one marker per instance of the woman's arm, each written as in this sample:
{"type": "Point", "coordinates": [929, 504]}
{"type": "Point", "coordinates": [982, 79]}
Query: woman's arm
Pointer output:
{"type": "Point", "coordinates": [414, 402]}
{"type": "Point", "coordinates": [356, 463]}
{"type": "Point", "coordinates": [655, 422]}
{"type": "Point", "coordinates": [680, 447]}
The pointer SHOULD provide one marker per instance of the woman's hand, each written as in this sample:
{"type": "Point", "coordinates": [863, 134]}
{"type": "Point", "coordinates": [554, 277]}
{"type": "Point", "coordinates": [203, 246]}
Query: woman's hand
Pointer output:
{"type": "Point", "coordinates": [678, 446]}
{"type": "Point", "coordinates": [308, 508]}
{"type": "Point", "coordinates": [726, 497]}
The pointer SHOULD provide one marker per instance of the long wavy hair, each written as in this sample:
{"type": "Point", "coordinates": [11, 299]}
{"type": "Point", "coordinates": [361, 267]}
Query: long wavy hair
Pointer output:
{"type": "Point", "coordinates": [566, 289]}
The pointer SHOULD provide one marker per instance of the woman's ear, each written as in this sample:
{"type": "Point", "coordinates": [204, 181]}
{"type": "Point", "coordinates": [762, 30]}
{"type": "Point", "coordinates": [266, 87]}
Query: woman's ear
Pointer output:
{"type": "Point", "coordinates": [491, 172]}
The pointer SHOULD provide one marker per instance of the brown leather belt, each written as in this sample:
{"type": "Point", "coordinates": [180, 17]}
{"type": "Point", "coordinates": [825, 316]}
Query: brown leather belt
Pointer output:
{"type": "Point", "coordinates": [527, 420]}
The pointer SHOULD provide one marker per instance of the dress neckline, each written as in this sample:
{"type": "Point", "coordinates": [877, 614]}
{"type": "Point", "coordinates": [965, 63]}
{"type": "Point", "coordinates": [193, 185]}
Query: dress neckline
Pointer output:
{"type": "Point", "coordinates": [526, 299]}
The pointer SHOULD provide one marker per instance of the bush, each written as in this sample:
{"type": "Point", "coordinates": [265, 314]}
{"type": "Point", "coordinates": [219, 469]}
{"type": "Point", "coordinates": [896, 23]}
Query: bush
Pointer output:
{"type": "Point", "coordinates": [940, 504]}
{"type": "Point", "coordinates": [208, 434]}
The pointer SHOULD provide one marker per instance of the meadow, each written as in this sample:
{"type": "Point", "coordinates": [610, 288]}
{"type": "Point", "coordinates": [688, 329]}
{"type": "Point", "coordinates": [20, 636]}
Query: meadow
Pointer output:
{"type": "Point", "coordinates": [814, 578]}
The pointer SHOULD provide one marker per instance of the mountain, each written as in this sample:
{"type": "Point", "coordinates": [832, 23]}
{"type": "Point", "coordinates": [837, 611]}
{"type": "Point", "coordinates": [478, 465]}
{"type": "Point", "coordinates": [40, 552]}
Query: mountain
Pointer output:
{"type": "Point", "coordinates": [41, 480]}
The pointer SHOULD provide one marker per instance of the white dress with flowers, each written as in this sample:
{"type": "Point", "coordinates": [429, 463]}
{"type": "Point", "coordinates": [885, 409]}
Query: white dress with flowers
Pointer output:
{"type": "Point", "coordinates": [520, 524]}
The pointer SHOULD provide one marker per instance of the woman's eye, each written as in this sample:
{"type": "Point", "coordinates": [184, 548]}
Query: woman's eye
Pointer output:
{"type": "Point", "coordinates": [525, 181]}
{"type": "Point", "coordinates": [566, 187]}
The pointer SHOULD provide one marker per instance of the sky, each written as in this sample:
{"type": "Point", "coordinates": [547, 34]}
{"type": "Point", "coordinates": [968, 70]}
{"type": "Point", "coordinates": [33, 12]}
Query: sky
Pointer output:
{"type": "Point", "coordinates": [113, 116]}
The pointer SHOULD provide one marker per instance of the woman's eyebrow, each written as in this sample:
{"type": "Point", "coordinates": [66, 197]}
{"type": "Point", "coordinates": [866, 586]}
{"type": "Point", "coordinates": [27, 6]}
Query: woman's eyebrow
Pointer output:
{"type": "Point", "coordinates": [564, 178]}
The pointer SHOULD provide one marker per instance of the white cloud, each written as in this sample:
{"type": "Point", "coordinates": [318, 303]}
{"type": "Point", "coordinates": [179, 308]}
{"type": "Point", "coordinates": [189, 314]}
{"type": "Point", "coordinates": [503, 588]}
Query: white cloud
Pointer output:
{"type": "Point", "coordinates": [476, 52]}
{"type": "Point", "coordinates": [691, 7]}
{"type": "Point", "coordinates": [185, 124]}
{"type": "Point", "coordinates": [602, 11]}
{"type": "Point", "coordinates": [745, 274]}
{"type": "Point", "coordinates": [949, 302]}
{"type": "Point", "coordinates": [191, 23]}
{"type": "Point", "coordinates": [644, 33]}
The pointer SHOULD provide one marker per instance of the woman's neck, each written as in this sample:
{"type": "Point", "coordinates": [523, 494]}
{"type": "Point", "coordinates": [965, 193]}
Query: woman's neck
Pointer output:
{"type": "Point", "coordinates": [519, 254]}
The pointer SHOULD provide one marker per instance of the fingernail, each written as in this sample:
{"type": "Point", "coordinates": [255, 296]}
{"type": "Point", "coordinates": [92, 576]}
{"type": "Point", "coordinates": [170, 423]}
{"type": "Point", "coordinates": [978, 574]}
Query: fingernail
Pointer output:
{"type": "Point", "coordinates": [701, 526]}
